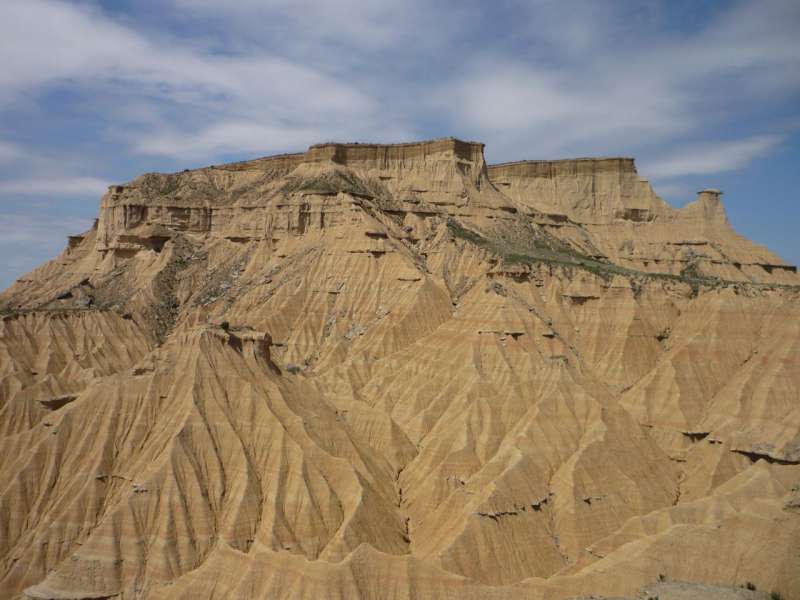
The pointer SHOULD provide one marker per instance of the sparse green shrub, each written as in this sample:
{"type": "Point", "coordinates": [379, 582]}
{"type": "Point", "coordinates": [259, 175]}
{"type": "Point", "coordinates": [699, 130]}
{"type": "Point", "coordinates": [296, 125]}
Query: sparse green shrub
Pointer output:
{"type": "Point", "coordinates": [691, 271]}
{"type": "Point", "coordinates": [518, 259]}
{"type": "Point", "coordinates": [460, 232]}
{"type": "Point", "coordinates": [537, 249]}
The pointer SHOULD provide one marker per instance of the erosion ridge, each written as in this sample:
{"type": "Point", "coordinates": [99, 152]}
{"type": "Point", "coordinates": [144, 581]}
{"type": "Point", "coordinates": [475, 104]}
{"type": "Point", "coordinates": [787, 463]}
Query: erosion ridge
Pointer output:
{"type": "Point", "coordinates": [385, 370]}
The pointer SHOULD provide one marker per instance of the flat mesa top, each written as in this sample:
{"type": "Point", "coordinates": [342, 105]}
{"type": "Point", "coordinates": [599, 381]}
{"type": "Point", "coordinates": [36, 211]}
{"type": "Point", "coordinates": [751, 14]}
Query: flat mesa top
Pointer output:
{"type": "Point", "coordinates": [396, 145]}
{"type": "Point", "coordinates": [563, 160]}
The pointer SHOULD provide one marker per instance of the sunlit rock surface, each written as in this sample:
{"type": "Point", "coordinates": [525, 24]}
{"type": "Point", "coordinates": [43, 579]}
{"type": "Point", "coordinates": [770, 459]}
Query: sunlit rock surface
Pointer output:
{"type": "Point", "coordinates": [392, 371]}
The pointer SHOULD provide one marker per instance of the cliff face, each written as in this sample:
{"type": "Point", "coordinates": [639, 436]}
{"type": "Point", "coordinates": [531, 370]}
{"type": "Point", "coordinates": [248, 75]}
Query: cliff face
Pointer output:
{"type": "Point", "coordinates": [392, 371]}
{"type": "Point", "coordinates": [589, 190]}
{"type": "Point", "coordinates": [630, 225]}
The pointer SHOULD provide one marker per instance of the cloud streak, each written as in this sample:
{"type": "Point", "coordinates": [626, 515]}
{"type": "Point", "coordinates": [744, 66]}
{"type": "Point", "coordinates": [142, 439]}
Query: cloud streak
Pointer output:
{"type": "Point", "coordinates": [19, 228]}
{"type": "Point", "coordinates": [26, 241]}
{"type": "Point", "coordinates": [192, 92]}
{"type": "Point", "coordinates": [704, 159]}
{"type": "Point", "coordinates": [627, 88]}
{"type": "Point", "coordinates": [10, 152]}
{"type": "Point", "coordinates": [275, 76]}
{"type": "Point", "coordinates": [55, 186]}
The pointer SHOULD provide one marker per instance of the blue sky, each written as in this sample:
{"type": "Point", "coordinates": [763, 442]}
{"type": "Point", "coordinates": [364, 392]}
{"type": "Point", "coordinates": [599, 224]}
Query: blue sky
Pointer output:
{"type": "Point", "coordinates": [702, 93]}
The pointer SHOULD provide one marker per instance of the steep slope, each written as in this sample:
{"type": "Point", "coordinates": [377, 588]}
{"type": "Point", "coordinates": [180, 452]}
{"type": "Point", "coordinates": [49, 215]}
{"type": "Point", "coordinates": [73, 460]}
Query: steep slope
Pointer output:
{"type": "Point", "coordinates": [632, 226]}
{"type": "Point", "coordinates": [392, 371]}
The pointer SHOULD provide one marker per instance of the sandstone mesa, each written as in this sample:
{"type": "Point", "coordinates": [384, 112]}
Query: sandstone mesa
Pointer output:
{"type": "Point", "coordinates": [395, 371]}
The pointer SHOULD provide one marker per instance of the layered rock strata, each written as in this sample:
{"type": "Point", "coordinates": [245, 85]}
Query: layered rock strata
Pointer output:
{"type": "Point", "coordinates": [392, 371]}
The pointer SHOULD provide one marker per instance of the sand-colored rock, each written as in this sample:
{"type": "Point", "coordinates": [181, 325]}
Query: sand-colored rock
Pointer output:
{"type": "Point", "coordinates": [394, 372]}
{"type": "Point", "coordinates": [630, 225]}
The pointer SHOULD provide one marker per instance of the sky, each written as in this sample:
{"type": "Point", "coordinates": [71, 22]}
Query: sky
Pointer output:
{"type": "Point", "coordinates": [702, 93]}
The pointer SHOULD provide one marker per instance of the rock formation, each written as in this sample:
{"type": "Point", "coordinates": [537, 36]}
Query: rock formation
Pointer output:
{"type": "Point", "coordinates": [392, 371]}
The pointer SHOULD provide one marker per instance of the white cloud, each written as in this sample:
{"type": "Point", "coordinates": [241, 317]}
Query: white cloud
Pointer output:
{"type": "Point", "coordinates": [597, 81]}
{"type": "Point", "coordinates": [46, 41]}
{"type": "Point", "coordinates": [26, 241]}
{"type": "Point", "coordinates": [760, 34]}
{"type": "Point", "coordinates": [275, 75]}
{"type": "Point", "coordinates": [246, 137]}
{"type": "Point", "coordinates": [53, 42]}
{"type": "Point", "coordinates": [173, 88]}
{"type": "Point", "coordinates": [703, 159]}
{"type": "Point", "coordinates": [372, 24]}
{"type": "Point", "coordinates": [224, 137]}
{"type": "Point", "coordinates": [10, 152]}
{"type": "Point", "coordinates": [581, 76]}
{"type": "Point", "coordinates": [20, 228]}
{"type": "Point", "coordinates": [55, 186]}
{"type": "Point", "coordinates": [524, 109]}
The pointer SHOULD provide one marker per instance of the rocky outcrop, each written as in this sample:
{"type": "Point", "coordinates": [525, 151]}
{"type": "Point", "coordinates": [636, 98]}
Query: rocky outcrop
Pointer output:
{"type": "Point", "coordinates": [270, 198]}
{"type": "Point", "coordinates": [587, 190]}
{"type": "Point", "coordinates": [389, 371]}
{"type": "Point", "coordinates": [630, 225]}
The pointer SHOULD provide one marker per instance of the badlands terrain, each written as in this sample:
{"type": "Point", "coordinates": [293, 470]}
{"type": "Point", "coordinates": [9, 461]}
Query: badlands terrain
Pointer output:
{"type": "Point", "coordinates": [395, 371]}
